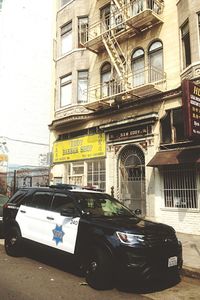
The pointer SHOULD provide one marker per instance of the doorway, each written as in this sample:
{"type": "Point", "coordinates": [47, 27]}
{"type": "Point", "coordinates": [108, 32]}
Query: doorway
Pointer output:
{"type": "Point", "coordinates": [132, 178]}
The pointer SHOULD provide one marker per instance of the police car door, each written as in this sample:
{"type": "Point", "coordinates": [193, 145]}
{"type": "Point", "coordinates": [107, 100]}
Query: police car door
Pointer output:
{"type": "Point", "coordinates": [64, 229]}
{"type": "Point", "coordinates": [32, 216]}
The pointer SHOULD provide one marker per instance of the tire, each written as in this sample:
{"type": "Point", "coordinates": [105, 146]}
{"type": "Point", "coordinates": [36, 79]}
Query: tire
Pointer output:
{"type": "Point", "coordinates": [99, 270]}
{"type": "Point", "coordinates": [13, 242]}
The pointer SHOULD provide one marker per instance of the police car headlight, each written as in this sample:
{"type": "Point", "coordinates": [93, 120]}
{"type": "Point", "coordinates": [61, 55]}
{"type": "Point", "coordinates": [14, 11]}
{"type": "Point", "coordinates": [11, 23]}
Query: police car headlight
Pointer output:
{"type": "Point", "coordinates": [130, 239]}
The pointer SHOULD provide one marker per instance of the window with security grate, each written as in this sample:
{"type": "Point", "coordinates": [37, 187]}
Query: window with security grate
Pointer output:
{"type": "Point", "coordinates": [180, 187]}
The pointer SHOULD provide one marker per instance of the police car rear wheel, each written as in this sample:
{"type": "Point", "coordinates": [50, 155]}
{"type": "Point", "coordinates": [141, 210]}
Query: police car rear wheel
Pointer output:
{"type": "Point", "coordinates": [98, 270]}
{"type": "Point", "coordinates": [13, 242]}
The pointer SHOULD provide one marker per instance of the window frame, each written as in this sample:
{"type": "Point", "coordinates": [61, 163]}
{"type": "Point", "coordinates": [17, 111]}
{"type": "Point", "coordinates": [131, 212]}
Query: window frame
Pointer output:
{"type": "Point", "coordinates": [105, 70]}
{"type": "Point", "coordinates": [64, 85]}
{"type": "Point", "coordinates": [153, 69]}
{"type": "Point", "coordinates": [169, 117]}
{"type": "Point", "coordinates": [180, 187]}
{"type": "Point", "coordinates": [134, 60]}
{"type": "Point", "coordinates": [66, 32]}
{"type": "Point", "coordinates": [186, 45]}
{"type": "Point", "coordinates": [80, 80]}
{"type": "Point", "coordinates": [82, 31]}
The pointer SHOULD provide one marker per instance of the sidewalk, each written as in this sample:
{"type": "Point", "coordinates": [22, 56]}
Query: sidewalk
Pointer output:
{"type": "Point", "coordinates": [191, 254]}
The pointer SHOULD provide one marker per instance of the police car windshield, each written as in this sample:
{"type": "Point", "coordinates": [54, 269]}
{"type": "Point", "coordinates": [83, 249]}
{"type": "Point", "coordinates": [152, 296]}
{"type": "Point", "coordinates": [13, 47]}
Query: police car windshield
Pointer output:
{"type": "Point", "coordinates": [101, 205]}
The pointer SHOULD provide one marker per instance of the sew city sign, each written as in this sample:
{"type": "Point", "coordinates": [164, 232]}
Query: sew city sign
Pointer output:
{"type": "Point", "coordinates": [86, 147]}
{"type": "Point", "coordinates": [191, 106]}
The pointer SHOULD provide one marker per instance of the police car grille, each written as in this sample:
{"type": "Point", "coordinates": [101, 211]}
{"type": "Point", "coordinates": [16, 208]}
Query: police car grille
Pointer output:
{"type": "Point", "coordinates": [160, 239]}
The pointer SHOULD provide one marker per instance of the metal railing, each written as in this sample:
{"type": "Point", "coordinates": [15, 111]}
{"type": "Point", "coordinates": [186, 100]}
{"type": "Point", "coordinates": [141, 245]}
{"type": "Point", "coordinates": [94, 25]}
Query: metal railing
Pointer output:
{"type": "Point", "coordinates": [116, 86]}
{"type": "Point", "coordinates": [117, 18]}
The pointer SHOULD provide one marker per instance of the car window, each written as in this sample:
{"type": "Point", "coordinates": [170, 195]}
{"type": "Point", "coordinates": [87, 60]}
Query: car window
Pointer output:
{"type": "Point", "coordinates": [18, 196]}
{"type": "Point", "coordinates": [98, 204]}
{"type": "Point", "coordinates": [61, 201]}
{"type": "Point", "coordinates": [3, 200]}
{"type": "Point", "coordinates": [40, 200]}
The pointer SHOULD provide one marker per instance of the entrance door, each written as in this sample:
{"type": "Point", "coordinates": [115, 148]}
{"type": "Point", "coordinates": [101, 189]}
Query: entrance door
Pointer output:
{"type": "Point", "coordinates": [132, 178]}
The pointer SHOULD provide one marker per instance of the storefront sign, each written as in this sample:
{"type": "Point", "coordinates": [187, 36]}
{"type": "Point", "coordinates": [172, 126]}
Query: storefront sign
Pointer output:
{"type": "Point", "coordinates": [125, 134]}
{"type": "Point", "coordinates": [191, 104]}
{"type": "Point", "coordinates": [86, 147]}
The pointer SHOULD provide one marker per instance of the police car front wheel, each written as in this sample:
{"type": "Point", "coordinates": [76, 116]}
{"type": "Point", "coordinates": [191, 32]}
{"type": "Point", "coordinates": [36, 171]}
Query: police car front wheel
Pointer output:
{"type": "Point", "coordinates": [13, 242]}
{"type": "Point", "coordinates": [99, 270]}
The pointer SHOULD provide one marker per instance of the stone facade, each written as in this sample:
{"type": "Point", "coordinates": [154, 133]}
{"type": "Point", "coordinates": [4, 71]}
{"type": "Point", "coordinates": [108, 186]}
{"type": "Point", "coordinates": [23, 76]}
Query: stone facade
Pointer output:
{"type": "Point", "coordinates": [130, 115]}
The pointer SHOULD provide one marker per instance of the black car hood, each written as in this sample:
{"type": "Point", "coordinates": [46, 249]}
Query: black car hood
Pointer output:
{"type": "Point", "coordinates": [131, 225]}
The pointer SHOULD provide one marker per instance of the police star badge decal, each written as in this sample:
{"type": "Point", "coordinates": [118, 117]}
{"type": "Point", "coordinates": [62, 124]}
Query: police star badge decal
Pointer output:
{"type": "Point", "coordinates": [58, 234]}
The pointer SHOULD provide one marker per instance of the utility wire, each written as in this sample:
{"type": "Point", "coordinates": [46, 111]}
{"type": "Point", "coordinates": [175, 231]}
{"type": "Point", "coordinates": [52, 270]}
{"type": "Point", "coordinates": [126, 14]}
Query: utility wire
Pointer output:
{"type": "Point", "coordinates": [23, 141]}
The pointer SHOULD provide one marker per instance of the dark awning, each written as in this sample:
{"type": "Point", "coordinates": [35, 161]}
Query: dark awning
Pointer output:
{"type": "Point", "coordinates": [175, 157]}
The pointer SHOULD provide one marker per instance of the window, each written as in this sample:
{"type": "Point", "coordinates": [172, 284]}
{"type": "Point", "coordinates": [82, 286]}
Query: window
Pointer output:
{"type": "Point", "coordinates": [105, 79]}
{"type": "Point", "coordinates": [75, 173]}
{"type": "Point", "coordinates": [180, 187]}
{"type": "Point", "coordinates": [61, 201]}
{"type": "Point", "coordinates": [185, 36]}
{"type": "Point", "coordinates": [66, 38]}
{"type": "Point", "coordinates": [136, 6]}
{"type": "Point", "coordinates": [82, 86]}
{"type": "Point", "coordinates": [83, 31]}
{"type": "Point", "coordinates": [66, 90]}
{"type": "Point", "coordinates": [138, 67]}
{"type": "Point", "coordinates": [105, 18]}
{"type": "Point", "coordinates": [172, 126]}
{"type": "Point", "coordinates": [63, 2]}
{"type": "Point", "coordinates": [41, 200]}
{"type": "Point", "coordinates": [96, 174]}
{"type": "Point", "coordinates": [155, 61]}
{"type": "Point", "coordinates": [199, 25]}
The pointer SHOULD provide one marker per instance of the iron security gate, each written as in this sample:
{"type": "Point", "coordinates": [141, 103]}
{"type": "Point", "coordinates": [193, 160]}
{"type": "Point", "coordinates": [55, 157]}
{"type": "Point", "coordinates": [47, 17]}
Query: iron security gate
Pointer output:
{"type": "Point", "coordinates": [132, 178]}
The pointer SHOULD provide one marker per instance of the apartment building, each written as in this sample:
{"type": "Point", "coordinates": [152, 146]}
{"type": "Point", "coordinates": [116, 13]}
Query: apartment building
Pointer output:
{"type": "Point", "coordinates": [126, 104]}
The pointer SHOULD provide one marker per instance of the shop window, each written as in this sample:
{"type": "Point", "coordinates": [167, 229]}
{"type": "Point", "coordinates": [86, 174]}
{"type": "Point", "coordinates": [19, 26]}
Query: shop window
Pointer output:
{"type": "Point", "coordinates": [57, 180]}
{"type": "Point", "coordinates": [185, 36]}
{"type": "Point", "coordinates": [138, 67]}
{"type": "Point", "coordinates": [66, 90]}
{"type": "Point", "coordinates": [82, 86]}
{"type": "Point", "coordinates": [83, 31]}
{"type": "Point", "coordinates": [75, 173]}
{"type": "Point", "coordinates": [66, 38]}
{"type": "Point", "coordinates": [105, 79]}
{"type": "Point", "coordinates": [180, 187]}
{"type": "Point", "coordinates": [172, 126]}
{"type": "Point", "coordinates": [96, 174]}
{"type": "Point", "coordinates": [155, 55]}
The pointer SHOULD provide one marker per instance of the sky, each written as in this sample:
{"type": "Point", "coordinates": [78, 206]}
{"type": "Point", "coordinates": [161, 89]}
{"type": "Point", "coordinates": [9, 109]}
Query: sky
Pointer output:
{"type": "Point", "coordinates": [25, 77]}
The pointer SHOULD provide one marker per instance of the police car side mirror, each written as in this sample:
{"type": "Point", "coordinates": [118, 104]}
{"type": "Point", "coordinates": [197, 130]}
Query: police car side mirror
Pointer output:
{"type": "Point", "coordinates": [138, 212]}
{"type": "Point", "coordinates": [68, 212]}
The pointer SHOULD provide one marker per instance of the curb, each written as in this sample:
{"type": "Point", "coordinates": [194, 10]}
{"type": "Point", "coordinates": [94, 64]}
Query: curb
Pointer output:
{"type": "Point", "coordinates": [190, 272]}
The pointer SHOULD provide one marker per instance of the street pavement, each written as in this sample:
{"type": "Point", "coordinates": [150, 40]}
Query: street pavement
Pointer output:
{"type": "Point", "coordinates": [191, 254]}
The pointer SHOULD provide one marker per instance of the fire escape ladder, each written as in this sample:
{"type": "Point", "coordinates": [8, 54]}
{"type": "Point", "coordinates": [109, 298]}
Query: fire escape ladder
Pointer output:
{"type": "Point", "coordinates": [117, 57]}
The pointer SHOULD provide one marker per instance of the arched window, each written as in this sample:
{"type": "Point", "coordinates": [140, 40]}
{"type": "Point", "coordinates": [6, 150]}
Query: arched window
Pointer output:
{"type": "Point", "coordinates": [138, 67]}
{"type": "Point", "coordinates": [155, 54]}
{"type": "Point", "coordinates": [105, 79]}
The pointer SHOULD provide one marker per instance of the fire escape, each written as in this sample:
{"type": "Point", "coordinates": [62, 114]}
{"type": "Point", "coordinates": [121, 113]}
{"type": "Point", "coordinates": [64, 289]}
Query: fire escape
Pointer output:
{"type": "Point", "coordinates": [125, 19]}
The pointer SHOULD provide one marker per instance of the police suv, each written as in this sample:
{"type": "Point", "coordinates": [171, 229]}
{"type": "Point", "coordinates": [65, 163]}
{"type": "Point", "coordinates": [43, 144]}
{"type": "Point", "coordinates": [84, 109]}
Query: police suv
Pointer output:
{"type": "Point", "coordinates": [109, 241]}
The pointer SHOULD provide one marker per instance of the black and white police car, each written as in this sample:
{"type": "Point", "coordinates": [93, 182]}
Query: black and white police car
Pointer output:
{"type": "Point", "coordinates": [106, 238]}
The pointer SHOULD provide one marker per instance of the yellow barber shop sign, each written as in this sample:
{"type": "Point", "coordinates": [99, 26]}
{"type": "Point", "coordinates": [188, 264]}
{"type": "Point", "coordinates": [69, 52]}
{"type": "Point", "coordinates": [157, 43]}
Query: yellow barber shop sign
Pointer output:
{"type": "Point", "coordinates": [86, 147]}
